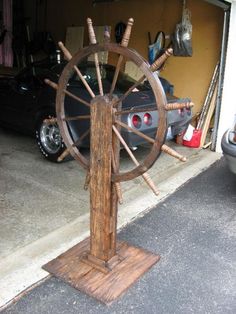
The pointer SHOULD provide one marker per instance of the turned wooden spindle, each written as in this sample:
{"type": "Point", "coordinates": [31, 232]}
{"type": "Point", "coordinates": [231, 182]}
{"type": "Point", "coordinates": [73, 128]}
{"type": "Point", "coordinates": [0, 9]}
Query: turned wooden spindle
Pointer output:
{"type": "Point", "coordinates": [87, 181]}
{"type": "Point", "coordinates": [51, 83]}
{"type": "Point", "coordinates": [124, 43]}
{"type": "Point", "coordinates": [65, 51]}
{"type": "Point", "coordinates": [166, 149]}
{"type": "Point", "coordinates": [127, 33]}
{"type": "Point", "coordinates": [150, 183]}
{"type": "Point", "coordinates": [92, 36]}
{"type": "Point", "coordinates": [50, 121]}
{"type": "Point", "coordinates": [119, 193]}
{"type": "Point", "coordinates": [63, 155]}
{"type": "Point", "coordinates": [153, 68]}
{"type": "Point", "coordinates": [93, 41]}
{"type": "Point", "coordinates": [151, 140]}
{"type": "Point", "coordinates": [162, 59]}
{"type": "Point", "coordinates": [68, 57]}
{"type": "Point", "coordinates": [145, 175]}
{"type": "Point", "coordinates": [176, 105]}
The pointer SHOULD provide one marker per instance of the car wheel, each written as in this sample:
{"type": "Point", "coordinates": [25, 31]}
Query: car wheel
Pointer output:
{"type": "Point", "coordinates": [48, 137]}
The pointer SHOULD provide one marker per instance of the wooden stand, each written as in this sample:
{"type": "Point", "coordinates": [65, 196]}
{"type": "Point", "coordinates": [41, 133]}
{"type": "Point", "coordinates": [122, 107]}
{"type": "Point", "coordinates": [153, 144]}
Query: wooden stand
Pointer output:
{"type": "Point", "coordinates": [99, 266]}
{"type": "Point", "coordinates": [133, 262]}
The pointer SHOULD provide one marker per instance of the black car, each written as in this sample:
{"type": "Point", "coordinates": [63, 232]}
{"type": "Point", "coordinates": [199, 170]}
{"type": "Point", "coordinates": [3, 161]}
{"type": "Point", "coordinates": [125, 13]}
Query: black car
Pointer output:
{"type": "Point", "coordinates": [26, 101]}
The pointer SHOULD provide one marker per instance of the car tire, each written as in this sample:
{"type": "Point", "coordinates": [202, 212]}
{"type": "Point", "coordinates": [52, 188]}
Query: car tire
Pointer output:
{"type": "Point", "coordinates": [48, 137]}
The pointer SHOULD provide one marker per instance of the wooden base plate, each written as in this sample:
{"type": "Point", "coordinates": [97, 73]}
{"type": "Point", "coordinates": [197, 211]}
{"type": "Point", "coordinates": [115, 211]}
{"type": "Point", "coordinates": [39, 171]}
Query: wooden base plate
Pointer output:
{"type": "Point", "coordinates": [105, 287]}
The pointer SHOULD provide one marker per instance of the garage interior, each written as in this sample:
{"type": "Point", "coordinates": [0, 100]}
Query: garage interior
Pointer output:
{"type": "Point", "coordinates": [44, 209]}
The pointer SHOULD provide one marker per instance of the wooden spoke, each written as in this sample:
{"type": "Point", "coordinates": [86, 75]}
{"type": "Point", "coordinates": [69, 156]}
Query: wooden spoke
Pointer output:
{"type": "Point", "coordinates": [67, 150]}
{"type": "Point", "coordinates": [76, 98]}
{"type": "Point", "coordinates": [170, 151]}
{"type": "Point", "coordinates": [145, 175]}
{"type": "Point", "coordinates": [51, 84]}
{"type": "Point", "coordinates": [50, 121]}
{"type": "Point", "coordinates": [64, 155]}
{"type": "Point", "coordinates": [117, 184]}
{"type": "Point", "coordinates": [93, 40]}
{"type": "Point", "coordinates": [124, 43]}
{"type": "Point", "coordinates": [159, 103]}
{"type": "Point", "coordinates": [176, 105]}
{"type": "Point", "coordinates": [68, 57]}
{"type": "Point", "coordinates": [55, 86]}
{"type": "Point", "coordinates": [153, 68]}
{"type": "Point", "coordinates": [118, 65]}
{"type": "Point", "coordinates": [162, 59]}
{"type": "Point", "coordinates": [86, 133]}
{"type": "Point", "coordinates": [147, 138]}
{"type": "Point", "coordinates": [164, 147]}
{"type": "Point", "coordinates": [135, 85]}
{"type": "Point", "coordinates": [85, 117]}
{"type": "Point", "coordinates": [134, 110]}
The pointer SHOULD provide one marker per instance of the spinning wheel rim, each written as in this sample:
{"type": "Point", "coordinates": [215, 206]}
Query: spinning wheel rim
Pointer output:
{"type": "Point", "coordinates": [158, 92]}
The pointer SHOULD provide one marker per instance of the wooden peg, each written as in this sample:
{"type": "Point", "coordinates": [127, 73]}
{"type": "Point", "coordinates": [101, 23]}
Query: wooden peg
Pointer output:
{"type": "Point", "coordinates": [51, 83]}
{"type": "Point", "coordinates": [93, 41]}
{"type": "Point", "coordinates": [92, 36]}
{"type": "Point", "coordinates": [176, 105]}
{"type": "Point", "coordinates": [150, 183]}
{"type": "Point", "coordinates": [65, 51]}
{"type": "Point", "coordinates": [127, 33]}
{"type": "Point", "coordinates": [158, 63]}
{"type": "Point", "coordinates": [170, 151]}
{"type": "Point", "coordinates": [63, 155]}
{"type": "Point", "coordinates": [119, 192]}
{"type": "Point", "coordinates": [50, 121]}
{"type": "Point", "coordinates": [124, 43]}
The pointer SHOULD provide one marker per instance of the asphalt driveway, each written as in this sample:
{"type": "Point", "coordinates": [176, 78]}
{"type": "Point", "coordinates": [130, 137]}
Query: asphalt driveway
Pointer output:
{"type": "Point", "coordinates": [194, 231]}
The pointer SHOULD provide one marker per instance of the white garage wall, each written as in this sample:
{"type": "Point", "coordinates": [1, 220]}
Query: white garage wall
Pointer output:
{"type": "Point", "coordinates": [228, 105]}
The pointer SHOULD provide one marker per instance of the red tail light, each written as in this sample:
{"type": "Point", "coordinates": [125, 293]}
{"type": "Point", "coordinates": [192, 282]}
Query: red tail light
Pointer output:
{"type": "Point", "coordinates": [147, 119]}
{"type": "Point", "coordinates": [136, 120]}
{"type": "Point", "coordinates": [181, 112]}
{"type": "Point", "coordinates": [188, 111]}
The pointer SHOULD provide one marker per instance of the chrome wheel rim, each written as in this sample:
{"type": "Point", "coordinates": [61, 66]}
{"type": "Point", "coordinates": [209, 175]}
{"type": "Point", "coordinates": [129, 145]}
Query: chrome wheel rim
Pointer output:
{"type": "Point", "coordinates": [50, 138]}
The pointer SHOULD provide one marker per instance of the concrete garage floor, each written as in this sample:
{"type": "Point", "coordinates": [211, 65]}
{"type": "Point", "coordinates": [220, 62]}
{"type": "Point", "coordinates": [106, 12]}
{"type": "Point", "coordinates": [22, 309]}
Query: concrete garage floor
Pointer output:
{"type": "Point", "coordinates": [44, 209]}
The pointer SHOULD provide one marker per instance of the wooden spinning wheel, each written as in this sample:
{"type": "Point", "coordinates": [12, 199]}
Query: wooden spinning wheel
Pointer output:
{"type": "Point", "coordinates": [101, 256]}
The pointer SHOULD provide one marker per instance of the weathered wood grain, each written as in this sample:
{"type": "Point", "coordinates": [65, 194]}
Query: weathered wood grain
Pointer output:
{"type": "Point", "coordinates": [69, 266]}
{"type": "Point", "coordinates": [100, 173]}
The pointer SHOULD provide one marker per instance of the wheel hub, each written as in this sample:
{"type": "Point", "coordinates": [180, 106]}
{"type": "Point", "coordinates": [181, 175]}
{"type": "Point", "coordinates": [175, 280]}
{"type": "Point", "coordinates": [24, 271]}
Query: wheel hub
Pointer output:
{"type": "Point", "coordinates": [50, 138]}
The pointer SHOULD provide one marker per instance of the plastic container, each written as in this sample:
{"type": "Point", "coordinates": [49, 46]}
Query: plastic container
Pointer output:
{"type": "Point", "coordinates": [195, 140]}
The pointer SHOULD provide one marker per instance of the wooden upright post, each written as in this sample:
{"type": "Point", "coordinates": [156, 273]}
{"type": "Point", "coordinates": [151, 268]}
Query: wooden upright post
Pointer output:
{"type": "Point", "coordinates": [100, 266]}
{"type": "Point", "coordinates": [102, 196]}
